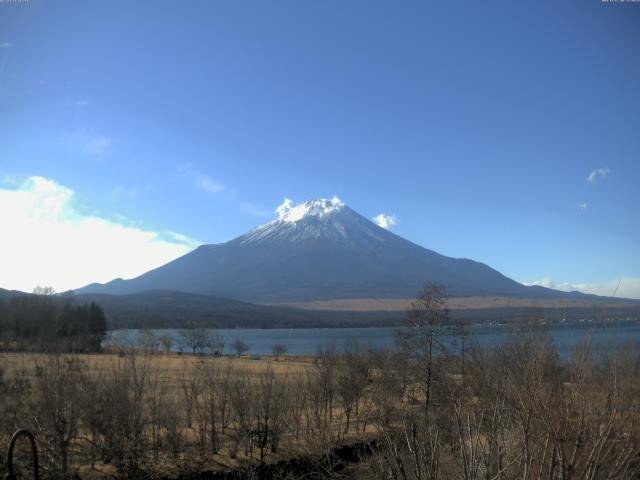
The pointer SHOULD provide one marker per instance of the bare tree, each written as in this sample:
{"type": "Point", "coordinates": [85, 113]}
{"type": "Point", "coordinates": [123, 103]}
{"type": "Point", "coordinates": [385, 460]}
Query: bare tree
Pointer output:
{"type": "Point", "coordinates": [268, 408]}
{"type": "Point", "coordinates": [240, 402]}
{"type": "Point", "coordinates": [279, 349]}
{"type": "Point", "coordinates": [297, 394]}
{"type": "Point", "coordinates": [420, 334]}
{"type": "Point", "coordinates": [353, 376]}
{"type": "Point", "coordinates": [118, 416]}
{"type": "Point", "coordinates": [189, 386]}
{"type": "Point", "coordinates": [56, 408]}
{"type": "Point", "coordinates": [148, 341]}
{"type": "Point", "coordinates": [240, 347]}
{"type": "Point", "coordinates": [38, 290]}
{"type": "Point", "coordinates": [172, 425]}
{"type": "Point", "coordinates": [223, 393]}
{"type": "Point", "coordinates": [321, 387]}
{"type": "Point", "coordinates": [167, 343]}
{"type": "Point", "coordinates": [155, 395]}
{"type": "Point", "coordinates": [217, 343]}
{"type": "Point", "coordinates": [207, 403]}
{"type": "Point", "coordinates": [196, 339]}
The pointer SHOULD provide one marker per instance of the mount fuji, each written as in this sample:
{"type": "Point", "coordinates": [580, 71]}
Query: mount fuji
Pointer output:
{"type": "Point", "coordinates": [321, 250]}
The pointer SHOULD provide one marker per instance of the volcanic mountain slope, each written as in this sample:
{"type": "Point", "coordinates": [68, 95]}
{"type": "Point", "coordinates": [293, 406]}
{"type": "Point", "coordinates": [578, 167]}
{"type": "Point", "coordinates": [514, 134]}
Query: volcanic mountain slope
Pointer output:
{"type": "Point", "coordinates": [320, 249]}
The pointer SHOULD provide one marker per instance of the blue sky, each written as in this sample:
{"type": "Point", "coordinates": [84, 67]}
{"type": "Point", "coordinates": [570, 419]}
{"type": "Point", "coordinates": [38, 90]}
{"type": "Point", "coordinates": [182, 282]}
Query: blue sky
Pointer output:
{"type": "Point", "coordinates": [476, 124]}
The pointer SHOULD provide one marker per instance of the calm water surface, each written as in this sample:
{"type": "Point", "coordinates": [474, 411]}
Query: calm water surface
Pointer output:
{"type": "Point", "coordinates": [306, 341]}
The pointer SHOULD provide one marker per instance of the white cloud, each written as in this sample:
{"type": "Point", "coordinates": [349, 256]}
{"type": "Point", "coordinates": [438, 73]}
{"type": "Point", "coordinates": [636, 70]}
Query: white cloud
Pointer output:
{"type": "Point", "coordinates": [208, 184]}
{"type": "Point", "coordinates": [47, 240]}
{"type": "Point", "coordinates": [629, 287]}
{"type": "Point", "coordinates": [598, 173]}
{"type": "Point", "coordinates": [5, 45]}
{"type": "Point", "coordinates": [583, 206]}
{"type": "Point", "coordinates": [385, 221]}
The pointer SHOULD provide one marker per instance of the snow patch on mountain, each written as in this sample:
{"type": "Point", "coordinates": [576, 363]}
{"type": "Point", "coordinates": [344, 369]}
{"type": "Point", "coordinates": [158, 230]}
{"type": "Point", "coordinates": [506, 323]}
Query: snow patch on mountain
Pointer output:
{"type": "Point", "coordinates": [326, 219]}
{"type": "Point", "coordinates": [321, 207]}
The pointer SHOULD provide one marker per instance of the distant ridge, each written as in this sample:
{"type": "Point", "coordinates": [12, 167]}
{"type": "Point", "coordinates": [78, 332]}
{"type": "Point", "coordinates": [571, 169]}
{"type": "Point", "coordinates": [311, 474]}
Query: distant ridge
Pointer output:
{"type": "Point", "coordinates": [174, 309]}
{"type": "Point", "coordinates": [171, 309]}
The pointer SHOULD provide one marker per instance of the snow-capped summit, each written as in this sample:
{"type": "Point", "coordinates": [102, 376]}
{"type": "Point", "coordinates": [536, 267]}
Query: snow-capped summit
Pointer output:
{"type": "Point", "coordinates": [320, 207]}
{"type": "Point", "coordinates": [316, 220]}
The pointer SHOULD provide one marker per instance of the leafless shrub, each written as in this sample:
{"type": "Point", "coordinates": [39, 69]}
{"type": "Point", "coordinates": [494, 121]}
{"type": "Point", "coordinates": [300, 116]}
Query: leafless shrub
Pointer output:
{"type": "Point", "coordinates": [120, 416]}
{"type": "Point", "coordinates": [55, 409]}
{"type": "Point", "coordinates": [240, 347]}
{"type": "Point", "coordinates": [353, 377]}
{"type": "Point", "coordinates": [196, 339]}
{"type": "Point", "coordinates": [279, 349]}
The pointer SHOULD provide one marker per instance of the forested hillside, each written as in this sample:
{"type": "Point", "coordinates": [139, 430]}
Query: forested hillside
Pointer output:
{"type": "Point", "coordinates": [46, 322]}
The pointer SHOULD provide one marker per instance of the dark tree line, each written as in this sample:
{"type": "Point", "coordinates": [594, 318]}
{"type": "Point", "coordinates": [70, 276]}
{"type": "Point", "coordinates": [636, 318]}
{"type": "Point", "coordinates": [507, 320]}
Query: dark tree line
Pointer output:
{"type": "Point", "coordinates": [46, 322]}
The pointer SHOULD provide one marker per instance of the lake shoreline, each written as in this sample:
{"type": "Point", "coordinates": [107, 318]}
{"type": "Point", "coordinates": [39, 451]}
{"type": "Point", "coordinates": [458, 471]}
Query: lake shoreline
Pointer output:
{"type": "Point", "coordinates": [307, 341]}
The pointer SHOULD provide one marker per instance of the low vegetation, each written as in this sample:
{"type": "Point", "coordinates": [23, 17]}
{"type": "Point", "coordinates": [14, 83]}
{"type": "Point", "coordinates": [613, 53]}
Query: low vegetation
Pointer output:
{"type": "Point", "coordinates": [517, 411]}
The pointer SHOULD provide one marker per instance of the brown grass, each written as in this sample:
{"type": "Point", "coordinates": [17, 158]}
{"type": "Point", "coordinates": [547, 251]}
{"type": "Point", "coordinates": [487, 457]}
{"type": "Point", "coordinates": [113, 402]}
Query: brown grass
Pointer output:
{"type": "Point", "coordinates": [171, 365]}
{"type": "Point", "coordinates": [461, 303]}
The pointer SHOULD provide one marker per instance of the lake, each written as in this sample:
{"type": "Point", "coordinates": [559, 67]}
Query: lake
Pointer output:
{"type": "Point", "coordinates": [306, 341]}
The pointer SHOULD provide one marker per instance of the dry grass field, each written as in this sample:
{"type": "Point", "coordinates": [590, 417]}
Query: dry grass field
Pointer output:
{"type": "Point", "coordinates": [171, 365]}
{"type": "Point", "coordinates": [461, 303]}
{"type": "Point", "coordinates": [177, 413]}
{"type": "Point", "coordinates": [170, 368]}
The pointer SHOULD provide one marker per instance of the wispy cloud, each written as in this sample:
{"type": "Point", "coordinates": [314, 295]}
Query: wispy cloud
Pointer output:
{"type": "Point", "coordinates": [97, 145]}
{"type": "Point", "coordinates": [583, 206]}
{"type": "Point", "coordinates": [598, 173]}
{"type": "Point", "coordinates": [385, 221]}
{"type": "Point", "coordinates": [254, 210]}
{"type": "Point", "coordinates": [80, 247]}
{"type": "Point", "coordinates": [182, 239]}
{"type": "Point", "coordinates": [8, 180]}
{"type": "Point", "coordinates": [87, 142]}
{"type": "Point", "coordinates": [5, 45]}
{"type": "Point", "coordinates": [625, 287]}
{"type": "Point", "coordinates": [127, 193]}
{"type": "Point", "coordinates": [208, 184]}
{"type": "Point", "coordinates": [200, 180]}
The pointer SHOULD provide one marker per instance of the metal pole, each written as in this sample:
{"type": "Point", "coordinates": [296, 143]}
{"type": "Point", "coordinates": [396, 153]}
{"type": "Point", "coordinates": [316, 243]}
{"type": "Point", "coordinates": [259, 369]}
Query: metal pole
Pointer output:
{"type": "Point", "coordinates": [34, 451]}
